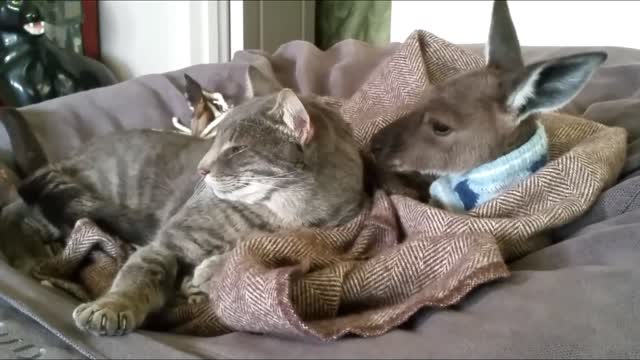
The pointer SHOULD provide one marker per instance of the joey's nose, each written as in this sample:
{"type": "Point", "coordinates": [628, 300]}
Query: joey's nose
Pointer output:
{"type": "Point", "coordinates": [203, 172]}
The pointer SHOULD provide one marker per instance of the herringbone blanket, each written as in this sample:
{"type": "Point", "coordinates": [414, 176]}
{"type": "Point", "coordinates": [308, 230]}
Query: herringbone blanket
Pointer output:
{"type": "Point", "coordinates": [395, 258]}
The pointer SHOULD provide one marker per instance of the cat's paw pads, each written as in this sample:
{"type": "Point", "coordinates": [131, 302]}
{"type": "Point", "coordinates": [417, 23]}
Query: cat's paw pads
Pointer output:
{"type": "Point", "coordinates": [112, 316]}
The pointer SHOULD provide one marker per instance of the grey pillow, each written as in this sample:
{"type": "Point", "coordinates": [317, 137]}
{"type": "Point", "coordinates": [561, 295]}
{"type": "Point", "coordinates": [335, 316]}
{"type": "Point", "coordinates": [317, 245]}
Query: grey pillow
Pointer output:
{"type": "Point", "coordinates": [50, 130]}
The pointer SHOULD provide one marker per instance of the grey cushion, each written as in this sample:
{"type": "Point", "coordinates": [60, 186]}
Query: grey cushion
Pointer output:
{"type": "Point", "coordinates": [577, 298]}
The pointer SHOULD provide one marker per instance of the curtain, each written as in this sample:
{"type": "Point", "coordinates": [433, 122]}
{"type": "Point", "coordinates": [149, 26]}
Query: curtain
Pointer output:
{"type": "Point", "coordinates": [365, 20]}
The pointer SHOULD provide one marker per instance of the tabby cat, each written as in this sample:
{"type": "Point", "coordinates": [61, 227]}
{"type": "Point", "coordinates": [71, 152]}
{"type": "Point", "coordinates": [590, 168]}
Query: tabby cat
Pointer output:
{"type": "Point", "coordinates": [39, 239]}
{"type": "Point", "coordinates": [278, 162]}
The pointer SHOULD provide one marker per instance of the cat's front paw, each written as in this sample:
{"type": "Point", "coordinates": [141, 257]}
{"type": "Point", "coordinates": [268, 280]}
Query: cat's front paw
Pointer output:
{"type": "Point", "coordinates": [194, 294]}
{"type": "Point", "coordinates": [207, 274]}
{"type": "Point", "coordinates": [199, 287]}
{"type": "Point", "coordinates": [197, 297]}
{"type": "Point", "coordinates": [111, 315]}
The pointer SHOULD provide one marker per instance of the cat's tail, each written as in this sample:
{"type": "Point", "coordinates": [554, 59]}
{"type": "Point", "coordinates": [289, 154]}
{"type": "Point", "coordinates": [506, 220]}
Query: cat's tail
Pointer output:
{"type": "Point", "coordinates": [63, 202]}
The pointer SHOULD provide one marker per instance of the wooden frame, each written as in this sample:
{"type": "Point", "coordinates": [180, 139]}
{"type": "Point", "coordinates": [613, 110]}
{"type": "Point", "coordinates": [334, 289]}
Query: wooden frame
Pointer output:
{"type": "Point", "coordinates": [269, 24]}
{"type": "Point", "coordinates": [90, 29]}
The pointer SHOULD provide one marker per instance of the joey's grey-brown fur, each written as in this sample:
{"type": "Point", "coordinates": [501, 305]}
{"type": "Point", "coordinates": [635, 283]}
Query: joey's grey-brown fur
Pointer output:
{"type": "Point", "coordinates": [480, 115]}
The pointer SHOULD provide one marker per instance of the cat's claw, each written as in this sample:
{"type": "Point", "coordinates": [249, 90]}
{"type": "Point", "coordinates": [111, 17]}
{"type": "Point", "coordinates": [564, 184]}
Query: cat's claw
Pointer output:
{"type": "Point", "coordinates": [111, 316]}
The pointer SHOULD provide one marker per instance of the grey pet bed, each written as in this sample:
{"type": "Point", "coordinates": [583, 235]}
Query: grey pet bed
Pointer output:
{"type": "Point", "coordinates": [577, 298]}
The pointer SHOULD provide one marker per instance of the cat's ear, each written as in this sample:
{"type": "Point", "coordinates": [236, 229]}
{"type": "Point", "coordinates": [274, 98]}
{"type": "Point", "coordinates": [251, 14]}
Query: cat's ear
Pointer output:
{"type": "Point", "coordinates": [193, 90]}
{"type": "Point", "coordinates": [294, 115]}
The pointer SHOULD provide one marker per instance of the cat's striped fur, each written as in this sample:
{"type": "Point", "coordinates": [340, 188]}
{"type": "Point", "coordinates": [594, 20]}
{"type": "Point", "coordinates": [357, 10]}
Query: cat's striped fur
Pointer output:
{"type": "Point", "coordinates": [278, 162]}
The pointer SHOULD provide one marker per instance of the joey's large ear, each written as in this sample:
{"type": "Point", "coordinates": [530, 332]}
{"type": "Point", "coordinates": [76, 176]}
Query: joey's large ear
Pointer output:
{"type": "Point", "coordinates": [551, 84]}
{"type": "Point", "coordinates": [193, 91]}
{"type": "Point", "coordinates": [502, 50]}
{"type": "Point", "coordinates": [294, 115]}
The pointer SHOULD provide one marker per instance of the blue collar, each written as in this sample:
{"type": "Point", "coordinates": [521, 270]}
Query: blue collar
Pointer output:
{"type": "Point", "coordinates": [463, 192]}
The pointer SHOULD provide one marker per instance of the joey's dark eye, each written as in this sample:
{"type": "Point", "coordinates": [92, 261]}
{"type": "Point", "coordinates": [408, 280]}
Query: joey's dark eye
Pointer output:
{"type": "Point", "coordinates": [299, 147]}
{"type": "Point", "coordinates": [236, 149]}
{"type": "Point", "coordinates": [440, 129]}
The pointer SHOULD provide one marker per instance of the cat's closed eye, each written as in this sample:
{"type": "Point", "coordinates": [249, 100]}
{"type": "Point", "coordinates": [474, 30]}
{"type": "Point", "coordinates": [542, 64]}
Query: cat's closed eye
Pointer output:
{"type": "Point", "coordinates": [237, 149]}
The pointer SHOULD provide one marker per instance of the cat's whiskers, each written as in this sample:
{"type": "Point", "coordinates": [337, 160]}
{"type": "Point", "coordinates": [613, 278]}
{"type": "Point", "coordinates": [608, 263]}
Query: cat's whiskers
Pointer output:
{"type": "Point", "coordinates": [251, 181]}
{"type": "Point", "coordinates": [239, 152]}
{"type": "Point", "coordinates": [282, 176]}
{"type": "Point", "coordinates": [289, 188]}
{"type": "Point", "coordinates": [265, 185]}
{"type": "Point", "coordinates": [268, 178]}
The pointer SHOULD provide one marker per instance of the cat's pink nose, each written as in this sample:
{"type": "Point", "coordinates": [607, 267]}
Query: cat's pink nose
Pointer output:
{"type": "Point", "coordinates": [204, 172]}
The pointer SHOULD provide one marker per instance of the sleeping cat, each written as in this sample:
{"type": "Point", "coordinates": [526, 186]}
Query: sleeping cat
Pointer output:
{"type": "Point", "coordinates": [278, 162]}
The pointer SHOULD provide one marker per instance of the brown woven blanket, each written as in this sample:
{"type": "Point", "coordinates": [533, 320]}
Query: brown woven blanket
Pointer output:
{"type": "Point", "coordinates": [366, 277]}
